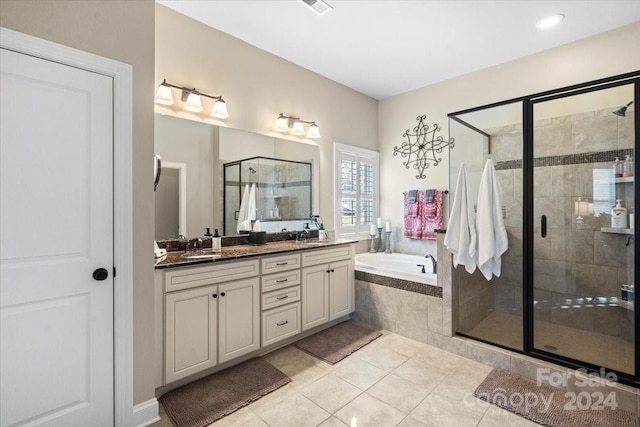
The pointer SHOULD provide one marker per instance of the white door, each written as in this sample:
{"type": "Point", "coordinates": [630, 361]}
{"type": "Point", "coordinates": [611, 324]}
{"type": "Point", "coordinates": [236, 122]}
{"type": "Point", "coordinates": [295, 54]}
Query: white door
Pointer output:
{"type": "Point", "coordinates": [315, 296]}
{"type": "Point", "coordinates": [340, 289]}
{"type": "Point", "coordinates": [191, 331]}
{"type": "Point", "coordinates": [56, 189]}
{"type": "Point", "coordinates": [239, 308]}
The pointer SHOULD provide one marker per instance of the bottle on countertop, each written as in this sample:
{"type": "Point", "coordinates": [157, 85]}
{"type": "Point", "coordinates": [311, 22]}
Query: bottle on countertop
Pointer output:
{"type": "Point", "coordinates": [276, 212]}
{"type": "Point", "coordinates": [627, 167]}
{"type": "Point", "coordinates": [322, 233]}
{"type": "Point", "coordinates": [216, 241]}
{"type": "Point", "coordinates": [617, 168]}
{"type": "Point", "coordinates": [207, 232]}
{"type": "Point", "coordinates": [619, 215]}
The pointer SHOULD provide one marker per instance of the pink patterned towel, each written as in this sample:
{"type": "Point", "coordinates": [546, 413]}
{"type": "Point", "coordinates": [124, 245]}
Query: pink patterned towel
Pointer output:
{"type": "Point", "coordinates": [412, 221]}
{"type": "Point", "coordinates": [431, 216]}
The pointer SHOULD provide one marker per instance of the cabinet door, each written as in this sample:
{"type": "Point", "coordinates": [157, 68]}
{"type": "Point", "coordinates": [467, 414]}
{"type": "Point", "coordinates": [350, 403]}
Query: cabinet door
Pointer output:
{"type": "Point", "coordinates": [190, 332]}
{"type": "Point", "coordinates": [239, 305]}
{"type": "Point", "coordinates": [340, 289]}
{"type": "Point", "coordinates": [315, 296]}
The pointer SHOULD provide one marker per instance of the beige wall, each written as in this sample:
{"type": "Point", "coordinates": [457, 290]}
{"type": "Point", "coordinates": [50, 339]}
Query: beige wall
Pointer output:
{"type": "Point", "coordinates": [123, 31]}
{"type": "Point", "coordinates": [257, 86]}
{"type": "Point", "coordinates": [604, 55]}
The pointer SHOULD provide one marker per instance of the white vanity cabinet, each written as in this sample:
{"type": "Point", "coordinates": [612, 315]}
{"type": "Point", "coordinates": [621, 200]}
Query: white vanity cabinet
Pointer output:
{"type": "Point", "coordinates": [212, 321]}
{"type": "Point", "coordinates": [281, 293]}
{"type": "Point", "coordinates": [327, 285]}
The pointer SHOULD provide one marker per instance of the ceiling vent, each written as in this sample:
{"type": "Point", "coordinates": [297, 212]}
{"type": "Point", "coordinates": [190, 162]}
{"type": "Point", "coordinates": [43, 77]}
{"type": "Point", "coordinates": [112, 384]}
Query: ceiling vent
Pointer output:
{"type": "Point", "coordinates": [318, 6]}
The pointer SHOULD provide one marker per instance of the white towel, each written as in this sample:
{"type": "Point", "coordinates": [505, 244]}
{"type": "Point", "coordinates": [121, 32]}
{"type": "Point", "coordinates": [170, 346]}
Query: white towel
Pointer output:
{"type": "Point", "coordinates": [492, 235]}
{"type": "Point", "coordinates": [460, 239]}
{"type": "Point", "coordinates": [244, 224]}
{"type": "Point", "coordinates": [251, 208]}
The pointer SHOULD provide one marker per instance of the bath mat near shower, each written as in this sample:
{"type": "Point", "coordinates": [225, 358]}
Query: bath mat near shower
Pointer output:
{"type": "Point", "coordinates": [337, 342]}
{"type": "Point", "coordinates": [549, 406]}
{"type": "Point", "coordinates": [204, 401]}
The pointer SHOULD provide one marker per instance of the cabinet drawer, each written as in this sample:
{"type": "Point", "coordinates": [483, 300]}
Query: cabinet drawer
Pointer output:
{"type": "Point", "coordinates": [279, 281]}
{"type": "Point", "coordinates": [279, 263]}
{"type": "Point", "coordinates": [322, 256]}
{"type": "Point", "coordinates": [192, 277]}
{"type": "Point", "coordinates": [281, 297]}
{"type": "Point", "coordinates": [280, 323]}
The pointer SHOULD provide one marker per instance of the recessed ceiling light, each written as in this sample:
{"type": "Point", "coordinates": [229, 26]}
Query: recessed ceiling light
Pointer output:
{"type": "Point", "coordinates": [550, 21]}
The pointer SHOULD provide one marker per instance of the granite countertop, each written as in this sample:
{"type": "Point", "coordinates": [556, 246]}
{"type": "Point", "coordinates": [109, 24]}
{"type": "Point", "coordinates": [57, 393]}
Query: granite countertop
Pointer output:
{"type": "Point", "coordinates": [178, 259]}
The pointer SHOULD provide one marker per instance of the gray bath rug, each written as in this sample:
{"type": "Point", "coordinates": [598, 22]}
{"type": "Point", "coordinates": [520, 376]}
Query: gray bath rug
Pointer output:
{"type": "Point", "coordinates": [337, 342]}
{"type": "Point", "coordinates": [550, 406]}
{"type": "Point", "coordinates": [204, 401]}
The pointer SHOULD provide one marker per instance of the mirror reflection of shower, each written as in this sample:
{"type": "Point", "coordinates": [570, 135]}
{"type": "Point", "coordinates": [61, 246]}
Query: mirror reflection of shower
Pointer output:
{"type": "Point", "coordinates": [622, 111]}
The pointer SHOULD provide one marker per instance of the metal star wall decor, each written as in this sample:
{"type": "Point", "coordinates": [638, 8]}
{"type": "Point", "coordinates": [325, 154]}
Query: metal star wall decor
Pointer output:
{"type": "Point", "coordinates": [424, 147]}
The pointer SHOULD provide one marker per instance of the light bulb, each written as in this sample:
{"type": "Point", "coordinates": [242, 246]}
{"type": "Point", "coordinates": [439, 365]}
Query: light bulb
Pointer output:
{"type": "Point", "coordinates": [282, 124]}
{"type": "Point", "coordinates": [193, 103]}
{"type": "Point", "coordinates": [314, 131]}
{"type": "Point", "coordinates": [220, 109]}
{"type": "Point", "coordinates": [298, 128]}
{"type": "Point", "coordinates": [163, 95]}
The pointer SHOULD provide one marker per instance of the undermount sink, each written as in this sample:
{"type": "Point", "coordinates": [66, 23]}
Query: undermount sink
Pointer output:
{"type": "Point", "coordinates": [200, 255]}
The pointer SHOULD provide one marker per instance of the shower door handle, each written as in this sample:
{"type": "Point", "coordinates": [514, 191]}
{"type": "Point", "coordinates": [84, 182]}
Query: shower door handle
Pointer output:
{"type": "Point", "coordinates": [543, 225]}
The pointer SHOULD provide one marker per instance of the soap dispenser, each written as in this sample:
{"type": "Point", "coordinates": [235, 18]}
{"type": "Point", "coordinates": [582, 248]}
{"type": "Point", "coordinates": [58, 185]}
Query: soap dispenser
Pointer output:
{"type": "Point", "coordinates": [322, 234]}
{"type": "Point", "coordinates": [207, 232]}
{"type": "Point", "coordinates": [216, 241]}
{"type": "Point", "coordinates": [619, 215]}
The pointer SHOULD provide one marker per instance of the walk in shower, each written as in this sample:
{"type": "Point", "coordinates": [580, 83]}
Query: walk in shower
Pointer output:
{"type": "Point", "coordinates": [283, 196]}
{"type": "Point", "coordinates": [565, 293]}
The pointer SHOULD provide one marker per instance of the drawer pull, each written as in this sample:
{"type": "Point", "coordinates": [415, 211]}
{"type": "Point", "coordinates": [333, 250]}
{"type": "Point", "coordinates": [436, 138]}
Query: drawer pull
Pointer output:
{"type": "Point", "coordinates": [282, 280]}
{"type": "Point", "coordinates": [282, 323]}
{"type": "Point", "coordinates": [284, 297]}
{"type": "Point", "coordinates": [282, 263]}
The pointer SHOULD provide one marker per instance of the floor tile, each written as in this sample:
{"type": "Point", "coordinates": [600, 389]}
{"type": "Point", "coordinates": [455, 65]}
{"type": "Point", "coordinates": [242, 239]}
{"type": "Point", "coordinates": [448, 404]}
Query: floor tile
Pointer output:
{"type": "Point", "coordinates": [330, 392]}
{"type": "Point", "coordinates": [402, 345]}
{"type": "Point", "coordinates": [295, 411]}
{"type": "Point", "coordinates": [400, 393]}
{"type": "Point", "coordinates": [382, 357]}
{"type": "Point", "coordinates": [498, 417]}
{"type": "Point", "coordinates": [410, 422]}
{"type": "Point", "coordinates": [366, 410]}
{"type": "Point", "coordinates": [240, 417]}
{"type": "Point", "coordinates": [360, 373]}
{"type": "Point", "coordinates": [439, 409]}
{"type": "Point", "coordinates": [420, 372]}
{"type": "Point", "coordinates": [332, 422]}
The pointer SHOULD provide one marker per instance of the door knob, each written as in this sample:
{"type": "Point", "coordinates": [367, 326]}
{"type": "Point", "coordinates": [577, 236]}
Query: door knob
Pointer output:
{"type": "Point", "coordinates": [100, 274]}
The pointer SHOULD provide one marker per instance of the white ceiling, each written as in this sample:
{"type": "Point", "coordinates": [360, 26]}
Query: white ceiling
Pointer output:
{"type": "Point", "coordinates": [384, 48]}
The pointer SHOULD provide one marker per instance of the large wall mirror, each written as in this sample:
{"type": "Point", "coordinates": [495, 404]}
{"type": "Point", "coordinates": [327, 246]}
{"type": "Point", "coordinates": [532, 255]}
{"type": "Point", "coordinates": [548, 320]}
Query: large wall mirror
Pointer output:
{"type": "Point", "coordinates": [189, 195]}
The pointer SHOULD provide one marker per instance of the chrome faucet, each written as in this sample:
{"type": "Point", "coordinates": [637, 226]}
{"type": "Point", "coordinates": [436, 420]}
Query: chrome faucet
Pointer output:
{"type": "Point", "coordinates": [433, 262]}
{"type": "Point", "coordinates": [196, 243]}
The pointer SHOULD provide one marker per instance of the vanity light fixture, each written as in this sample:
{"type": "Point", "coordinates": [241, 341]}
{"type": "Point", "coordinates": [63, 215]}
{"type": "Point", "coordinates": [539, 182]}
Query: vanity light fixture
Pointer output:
{"type": "Point", "coordinates": [550, 21]}
{"type": "Point", "coordinates": [191, 98]}
{"type": "Point", "coordinates": [295, 125]}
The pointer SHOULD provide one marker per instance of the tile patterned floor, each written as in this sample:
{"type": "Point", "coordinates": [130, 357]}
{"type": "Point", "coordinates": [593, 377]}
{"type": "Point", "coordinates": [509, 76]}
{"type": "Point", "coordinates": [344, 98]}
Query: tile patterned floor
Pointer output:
{"type": "Point", "coordinates": [394, 381]}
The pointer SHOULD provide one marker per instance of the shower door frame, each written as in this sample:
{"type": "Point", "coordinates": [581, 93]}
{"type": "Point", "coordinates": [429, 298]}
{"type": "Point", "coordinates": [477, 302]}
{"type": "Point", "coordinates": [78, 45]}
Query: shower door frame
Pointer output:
{"type": "Point", "coordinates": [527, 103]}
{"type": "Point", "coordinates": [529, 220]}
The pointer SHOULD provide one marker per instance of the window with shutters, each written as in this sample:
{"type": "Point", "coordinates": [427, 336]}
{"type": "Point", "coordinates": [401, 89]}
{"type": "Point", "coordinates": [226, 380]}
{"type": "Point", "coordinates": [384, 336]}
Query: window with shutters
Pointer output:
{"type": "Point", "coordinates": [356, 192]}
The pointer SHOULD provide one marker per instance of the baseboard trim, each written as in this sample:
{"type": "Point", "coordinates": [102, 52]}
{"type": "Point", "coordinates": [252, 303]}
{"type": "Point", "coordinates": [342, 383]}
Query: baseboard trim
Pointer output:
{"type": "Point", "coordinates": [146, 413]}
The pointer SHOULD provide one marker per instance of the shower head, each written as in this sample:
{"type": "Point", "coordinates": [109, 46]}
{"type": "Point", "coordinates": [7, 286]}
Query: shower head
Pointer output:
{"type": "Point", "coordinates": [622, 111]}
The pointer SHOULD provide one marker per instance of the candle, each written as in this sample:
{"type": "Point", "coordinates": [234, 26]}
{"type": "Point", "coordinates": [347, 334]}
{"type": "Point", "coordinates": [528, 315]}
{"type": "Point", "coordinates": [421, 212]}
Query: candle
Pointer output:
{"type": "Point", "coordinates": [387, 227]}
{"type": "Point", "coordinates": [379, 222]}
{"type": "Point", "coordinates": [372, 230]}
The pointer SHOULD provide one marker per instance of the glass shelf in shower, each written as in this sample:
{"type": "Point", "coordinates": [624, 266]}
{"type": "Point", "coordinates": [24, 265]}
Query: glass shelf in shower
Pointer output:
{"type": "Point", "coordinates": [628, 231]}
{"type": "Point", "coordinates": [624, 179]}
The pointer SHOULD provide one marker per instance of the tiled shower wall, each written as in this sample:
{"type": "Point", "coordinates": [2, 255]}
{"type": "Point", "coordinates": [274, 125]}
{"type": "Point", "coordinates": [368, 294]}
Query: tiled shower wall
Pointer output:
{"type": "Point", "coordinates": [575, 260]}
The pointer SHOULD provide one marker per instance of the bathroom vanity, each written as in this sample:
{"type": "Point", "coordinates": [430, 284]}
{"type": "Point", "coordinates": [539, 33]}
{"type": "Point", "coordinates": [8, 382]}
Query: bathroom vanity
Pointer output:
{"type": "Point", "coordinates": [250, 300]}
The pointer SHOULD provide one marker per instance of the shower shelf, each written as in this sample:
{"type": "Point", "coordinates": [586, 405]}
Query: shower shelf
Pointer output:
{"type": "Point", "coordinates": [628, 231]}
{"type": "Point", "coordinates": [624, 179]}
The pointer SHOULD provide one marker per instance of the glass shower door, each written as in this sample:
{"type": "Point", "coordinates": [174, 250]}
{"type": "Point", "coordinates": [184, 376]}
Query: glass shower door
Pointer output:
{"type": "Point", "coordinates": [583, 257]}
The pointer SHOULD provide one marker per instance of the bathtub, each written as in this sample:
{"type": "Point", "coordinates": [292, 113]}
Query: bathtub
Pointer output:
{"type": "Point", "coordinates": [399, 266]}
